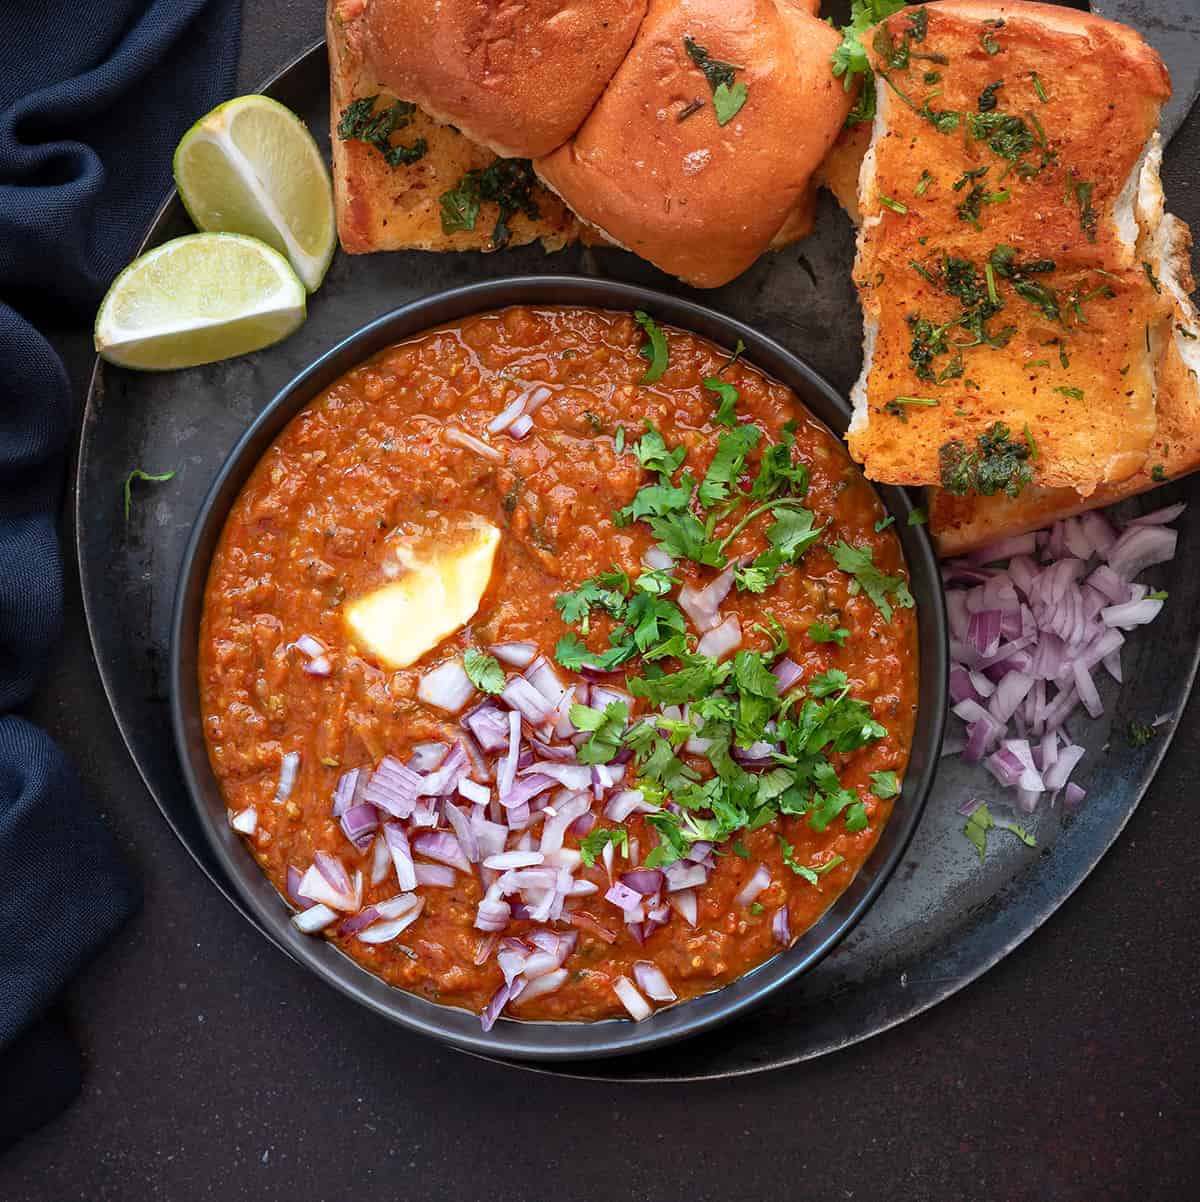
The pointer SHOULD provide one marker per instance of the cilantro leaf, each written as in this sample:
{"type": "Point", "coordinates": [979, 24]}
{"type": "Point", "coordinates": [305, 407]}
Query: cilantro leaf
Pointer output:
{"type": "Point", "coordinates": [595, 841]}
{"type": "Point", "coordinates": [728, 100]}
{"type": "Point", "coordinates": [812, 874]}
{"type": "Point", "coordinates": [860, 563]}
{"type": "Point", "coordinates": [575, 656]}
{"type": "Point", "coordinates": [682, 536]}
{"type": "Point", "coordinates": [849, 60]}
{"type": "Point", "coordinates": [484, 670]}
{"type": "Point", "coordinates": [654, 456]}
{"type": "Point", "coordinates": [657, 500]}
{"type": "Point", "coordinates": [727, 398]}
{"type": "Point", "coordinates": [832, 681]}
{"type": "Point", "coordinates": [605, 726]}
{"type": "Point", "coordinates": [599, 592]}
{"type": "Point", "coordinates": [138, 474]}
{"type": "Point", "coordinates": [655, 350]}
{"type": "Point", "coordinates": [980, 821]}
{"type": "Point", "coordinates": [674, 688]}
{"type": "Point", "coordinates": [884, 784]}
{"type": "Point", "coordinates": [819, 632]}
{"type": "Point", "coordinates": [727, 464]}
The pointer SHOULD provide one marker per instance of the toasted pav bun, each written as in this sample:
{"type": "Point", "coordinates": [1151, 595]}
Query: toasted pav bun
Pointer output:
{"type": "Point", "coordinates": [518, 78]}
{"type": "Point", "coordinates": [654, 171]}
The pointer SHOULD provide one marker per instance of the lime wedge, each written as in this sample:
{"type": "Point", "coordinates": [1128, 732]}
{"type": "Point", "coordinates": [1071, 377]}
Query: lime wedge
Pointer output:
{"type": "Point", "coordinates": [196, 300]}
{"type": "Point", "coordinates": [252, 167]}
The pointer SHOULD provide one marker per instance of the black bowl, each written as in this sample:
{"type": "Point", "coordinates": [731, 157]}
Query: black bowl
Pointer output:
{"type": "Point", "coordinates": [545, 1040]}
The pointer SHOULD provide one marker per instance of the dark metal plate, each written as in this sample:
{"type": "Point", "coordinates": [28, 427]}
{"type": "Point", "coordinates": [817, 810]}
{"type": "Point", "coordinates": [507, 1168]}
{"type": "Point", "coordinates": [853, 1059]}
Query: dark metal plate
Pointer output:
{"type": "Point", "coordinates": [943, 919]}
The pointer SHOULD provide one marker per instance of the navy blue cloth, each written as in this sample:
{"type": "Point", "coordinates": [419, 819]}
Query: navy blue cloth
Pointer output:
{"type": "Point", "coordinates": [93, 98]}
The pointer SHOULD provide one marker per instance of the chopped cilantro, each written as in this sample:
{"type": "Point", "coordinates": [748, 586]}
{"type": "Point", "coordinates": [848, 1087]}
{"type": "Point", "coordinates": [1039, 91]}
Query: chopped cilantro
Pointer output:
{"type": "Point", "coordinates": [360, 122]}
{"type": "Point", "coordinates": [739, 849]}
{"type": "Point", "coordinates": [895, 205]}
{"type": "Point", "coordinates": [884, 785]}
{"type": "Point", "coordinates": [1037, 87]}
{"type": "Point", "coordinates": [819, 632]}
{"type": "Point", "coordinates": [917, 516]}
{"type": "Point", "coordinates": [1154, 282]}
{"type": "Point", "coordinates": [727, 398]}
{"type": "Point", "coordinates": [884, 523]}
{"type": "Point", "coordinates": [605, 726]}
{"type": "Point", "coordinates": [1139, 734]}
{"type": "Point", "coordinates": [728, 96]}
{"type": "Point", "coordinates": [484, 670]}
{"type": "Point", "coordinates": [922, 185]}
{"type": "Point", "coordinates": [981, 821]}
{"type": "Point", "coordinates": [727, 464]}
{"type": "Point", "coordinates": [138, 474]}
{"type": "Point", "coordinates": [998, 465]}
{"type": "Point", "coordinates": [1076, 394]}
{"type": "Point", "coordinates": [860, 563]}
{"type": "Point", "coordinates": [655, 350]}
{"type": "Point", "coordinates": [507, 183]}
{"type": "Point", "coordinates": [850, 62]}
{"type": "Point", "coordinates": [595, 841]}
{"type": "Point", "coordinates": [1158, 473]}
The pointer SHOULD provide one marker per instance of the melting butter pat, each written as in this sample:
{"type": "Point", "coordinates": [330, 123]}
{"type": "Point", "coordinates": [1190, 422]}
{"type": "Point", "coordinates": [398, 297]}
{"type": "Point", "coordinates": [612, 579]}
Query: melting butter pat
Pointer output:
{"type": "Point", "coordinates": [439, 584]}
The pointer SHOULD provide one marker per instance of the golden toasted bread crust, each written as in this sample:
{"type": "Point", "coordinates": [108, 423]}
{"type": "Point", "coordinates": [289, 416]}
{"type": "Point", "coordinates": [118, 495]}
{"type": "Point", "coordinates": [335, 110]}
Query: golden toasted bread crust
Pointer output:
{"type": "Point", "coordinates": [517, 77]}
{"type": "Point", "coordinates": [999, 127]}
{"type": "Point", "coordinates": [962, 524]}
{"type": "Point", "coordinates": [700, 200]}
{"type": "Point", "coordinates": [398, 208]}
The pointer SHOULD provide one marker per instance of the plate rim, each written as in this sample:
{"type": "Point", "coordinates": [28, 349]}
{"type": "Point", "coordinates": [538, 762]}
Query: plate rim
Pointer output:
{"type": "Point", "coordinates": [1033, 921]}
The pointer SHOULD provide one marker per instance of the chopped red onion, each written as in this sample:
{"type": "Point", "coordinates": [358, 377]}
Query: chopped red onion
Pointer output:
{"type": "Point", "coordinates": [781, 926]}
{"type": "Point", "coordinates": [623, 897]}
{"type": "Point", "coordinates": [448, 687]}
{"type": "Point", "coordinates": [289, 768]}
{"type": "Point", "coordinates": [758, 880]}
{"type": "Point", "coordinates": [322, 665]}
{"type": "Point", "coordinates": [381, 860]}
{"type": "Point", "coordinates": [387, 930]}
{"type": "Point", "coordinates": [645, 881]}
{"type": "Point", "coordinates": [626, 802]}
{"type": "Point", "coordinates": [570, 776]}
{"type": "Point", "coordinates": [245, 822]}
{"type": "Point", "coordinates": [547, 983]}
{"type": "Point", "coordinates": [701, 605]}
{"type": "Point", "coordinates": [652, 981]}
{"type": "Point", "coordinates": [460, 438]}
{"type": "Point", "coordinates": [315, 918]}
{"type": "Point", "coordinates": [427, 757]}
{"type": "Point", "coordinates": [359, 824]}
{"type": "Point", "coordinates": [684, 875]}
{"type": "Point", "coordinates": [721, 640]}
{"type": "Point", "coordinates": [439, 875]}
{"type": "Point", "coordinates": [521, 426]}
{"type": "Point", "coordinates": [514, 859]}
{"type": "Point", "coordinates": [631, 999]}
{"type": "Point", "coordinates": [523, 697]}
{"type": "Point", "coordinates": [507, 416]}
{"type": "Point", "coordinates": [393, 787]}
{"type": "Point", "coordinates": [788, 673]}
{"type": "Point", "coordinates": [397, 844]}
{"type": "Point", "coordinates": [516, 655]}
{"type": "Point", "coordinates": [1140, 547]}
{"type": "Point", "coordinates": [1159, 517]}
{"type": "Point", "coordinates": [1074, 794]}
{"type": "Point", "coordinates": [1057, 773]}
{"type": "Point", "coordinates": [1131, 614]}
{"type": "Point", "coordinates": [658, 560]}
{"type": "Point", "coordinates": [443, 847]}
{"type": "Point", "coordinates": [556, 826]}
{"type": "Point", "coordinates": [684, 903]}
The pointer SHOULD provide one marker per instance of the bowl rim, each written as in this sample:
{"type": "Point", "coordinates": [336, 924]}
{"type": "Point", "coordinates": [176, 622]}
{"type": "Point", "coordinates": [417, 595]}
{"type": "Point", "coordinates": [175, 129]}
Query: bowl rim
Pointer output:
{"type": "Point", "coordinates": [515, 1038]}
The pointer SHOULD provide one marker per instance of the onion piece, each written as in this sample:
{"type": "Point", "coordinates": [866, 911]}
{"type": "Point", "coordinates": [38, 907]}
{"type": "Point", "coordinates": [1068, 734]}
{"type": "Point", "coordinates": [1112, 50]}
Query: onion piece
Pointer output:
{"type": "Point", "coordinates": [386, 931]}
{"type": "Point", "coordinates": [393, 787]}
{"type": "Point", "coordinates": [701, 605]}
{"type": "Point", "coordinates": [514, 859]}
{"type": "Point", "coordinates": [631, 999]}
{"type": "Point", "coordinates": [516, 655]}
{"type": "Point", "coordinates": [381, 860]}
{"type": "Point", "coordinates": [289, 768]}
{"type": "Point", "coordinates": [438, 875]}
{"type": "Point", "coordinates": [788, 673]}
{"type": "Point", "coordinates": [758, 880]}
{"type": "Point", "coordinates": [653, 982]}
{"type": "Point", "coordinates": [245, 822]}
{"type": "Point", "coordinates": [401, 852]}
{"type": "Point", "coordinates": [448, 687]}
{"type": "Point", "coordinates": [1140, 547]}
{"type": "Point", "coordinates": [507, 416]}
{"type": "Point", "coordinates": [315, 918]}
{"type": "Point", "coordinates": [460, 438]}
{"type": "Point", "coordinates": [684, 903]}
{"type": "Point", "coordinates": [658, 560]}
{"type": "Point", "coordinates": [427, 757]}
{"type": "Point", "coordinates": [546, 983]}
{"type": "Point", "coordinates": [781, 926]}
{"type": "Point", "coordinates": [1158, 517]}
{"type": "Point", "coordinates": [443, 847]}
{"type": "Point", "coordinates": [721, 640]}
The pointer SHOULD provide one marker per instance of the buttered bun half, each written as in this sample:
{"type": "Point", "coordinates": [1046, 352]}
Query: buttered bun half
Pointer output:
{"type": "Point", "coordinates": [655, 172]}
{"type": "Point", "coordinates": [517, 77]}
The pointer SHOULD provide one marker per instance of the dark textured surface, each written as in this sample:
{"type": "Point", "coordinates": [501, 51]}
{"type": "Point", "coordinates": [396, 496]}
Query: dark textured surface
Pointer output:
{"type": "Point", "coordinates": [219, 1069]}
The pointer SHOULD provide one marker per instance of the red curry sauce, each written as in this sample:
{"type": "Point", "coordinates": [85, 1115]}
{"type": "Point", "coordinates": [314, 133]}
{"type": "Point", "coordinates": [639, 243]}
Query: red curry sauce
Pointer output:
{"type": "Point", "coordinates": [369, 456]}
